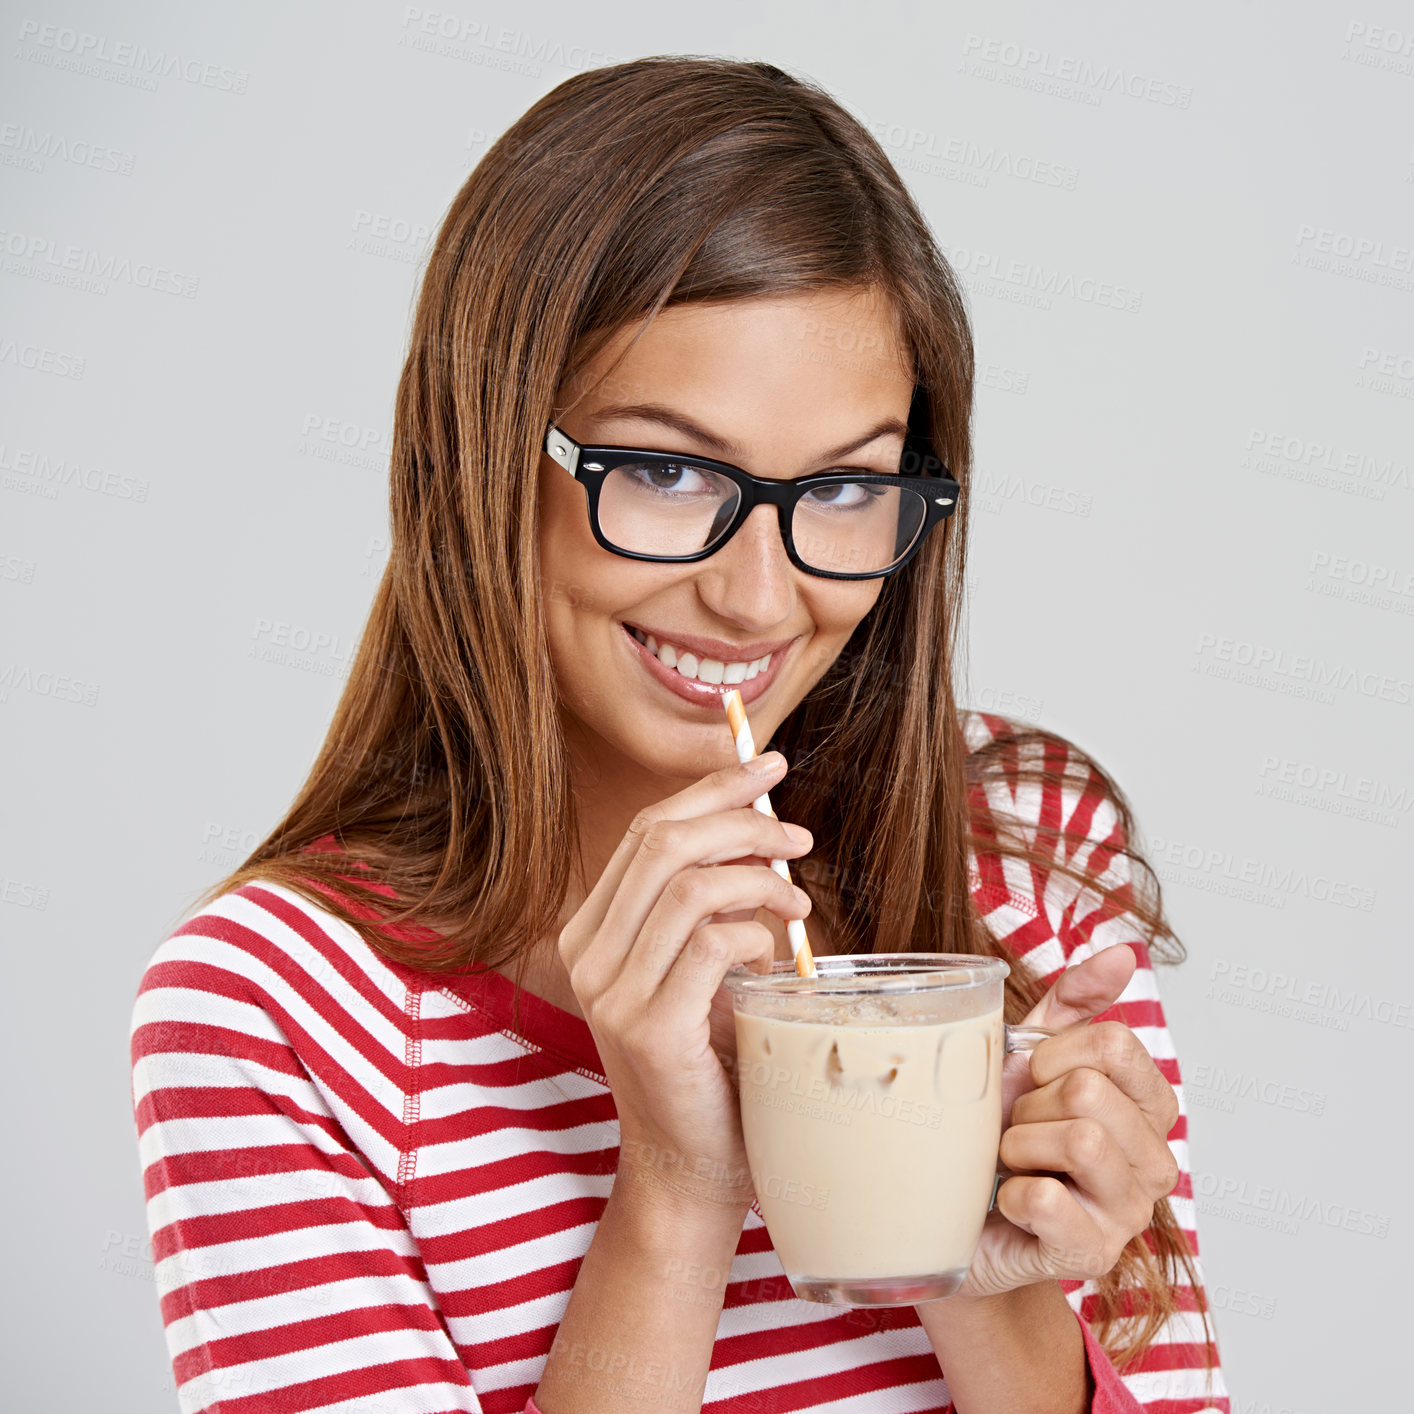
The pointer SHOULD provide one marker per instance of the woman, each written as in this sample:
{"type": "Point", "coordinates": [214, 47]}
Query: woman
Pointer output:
{"type": "Point", "coordinates": [433, 1091]}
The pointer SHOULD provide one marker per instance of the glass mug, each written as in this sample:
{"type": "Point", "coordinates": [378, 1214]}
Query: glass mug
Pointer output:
{"type": "Point", "coordinates": [871, 1107]}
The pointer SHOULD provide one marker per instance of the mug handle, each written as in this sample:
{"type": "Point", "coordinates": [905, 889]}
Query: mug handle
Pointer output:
{"type": "Point", "coordinates": [1018, 1038]}
{"type": "Point", "coordinates": [1026, 1038]}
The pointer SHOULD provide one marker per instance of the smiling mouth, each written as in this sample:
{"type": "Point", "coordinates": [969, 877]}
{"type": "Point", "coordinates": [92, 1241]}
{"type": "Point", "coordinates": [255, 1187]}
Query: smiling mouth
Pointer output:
{"type": "Point", "coordinates": [712, 671]}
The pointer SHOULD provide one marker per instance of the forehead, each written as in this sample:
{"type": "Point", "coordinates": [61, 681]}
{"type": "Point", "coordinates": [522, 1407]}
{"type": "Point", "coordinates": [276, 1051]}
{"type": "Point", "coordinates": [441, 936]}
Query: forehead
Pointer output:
{"type": "Point", "coordinates": [759, 371]}
{"type": "Point", "coordinates": [858, 326]}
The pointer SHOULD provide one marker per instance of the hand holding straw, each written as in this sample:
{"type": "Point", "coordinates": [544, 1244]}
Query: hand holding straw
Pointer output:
{"type": "Point", "coordinates": [745, 750]}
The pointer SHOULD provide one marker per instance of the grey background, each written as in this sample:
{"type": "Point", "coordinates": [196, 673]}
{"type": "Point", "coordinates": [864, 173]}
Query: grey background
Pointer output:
{"type": "Point", "coordinates": [192, 519]}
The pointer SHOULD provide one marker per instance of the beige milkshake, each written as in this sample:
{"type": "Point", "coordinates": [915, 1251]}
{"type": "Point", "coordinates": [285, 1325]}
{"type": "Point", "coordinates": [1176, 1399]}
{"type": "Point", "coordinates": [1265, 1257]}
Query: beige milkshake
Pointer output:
{"type": "Point", "coordinates": [872, 1138]}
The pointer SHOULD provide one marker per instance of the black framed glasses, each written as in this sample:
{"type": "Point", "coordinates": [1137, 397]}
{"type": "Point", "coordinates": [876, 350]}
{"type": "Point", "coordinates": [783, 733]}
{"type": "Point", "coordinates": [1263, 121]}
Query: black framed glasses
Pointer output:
{"type": "Point", "coordinates": [670, 508]}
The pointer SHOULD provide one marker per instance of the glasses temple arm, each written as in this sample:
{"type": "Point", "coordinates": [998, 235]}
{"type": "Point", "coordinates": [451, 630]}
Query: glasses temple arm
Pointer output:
{"type": "Point", "coordinates": [562, 449]}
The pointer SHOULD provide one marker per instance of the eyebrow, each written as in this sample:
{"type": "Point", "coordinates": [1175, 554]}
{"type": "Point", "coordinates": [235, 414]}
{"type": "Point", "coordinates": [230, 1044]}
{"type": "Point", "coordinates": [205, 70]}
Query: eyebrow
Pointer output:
{"type": "Point", "coordinates": [724, 447]}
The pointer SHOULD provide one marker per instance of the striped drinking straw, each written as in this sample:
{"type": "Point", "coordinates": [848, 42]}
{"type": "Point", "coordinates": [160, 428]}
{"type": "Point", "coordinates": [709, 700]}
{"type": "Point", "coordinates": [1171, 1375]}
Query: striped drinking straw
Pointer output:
{"type": "Point", "coordinates": [745, 750]}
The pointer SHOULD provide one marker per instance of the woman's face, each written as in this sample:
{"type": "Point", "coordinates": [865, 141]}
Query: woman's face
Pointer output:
{"type": "Point", "coordinates": [774, 386]}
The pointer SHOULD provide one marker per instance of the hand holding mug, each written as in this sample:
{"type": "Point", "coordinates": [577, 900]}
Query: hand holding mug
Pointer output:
{"type": "Point", "coordinates": [1087, 1140]}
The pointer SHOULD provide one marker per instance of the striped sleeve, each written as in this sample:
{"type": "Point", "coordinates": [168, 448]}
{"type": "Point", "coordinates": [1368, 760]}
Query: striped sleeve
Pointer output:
{"type": "Point", "coordinates": [1052, 922]}
{"type": "Point", "coordinates": [286, 1276]}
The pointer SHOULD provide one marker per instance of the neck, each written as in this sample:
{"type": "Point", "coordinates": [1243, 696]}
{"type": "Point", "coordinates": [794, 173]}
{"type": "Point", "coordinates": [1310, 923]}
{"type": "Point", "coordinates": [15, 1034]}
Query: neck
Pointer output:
{"type": "Point", "coordinates": [608, 794]}
{"type": "Point", "coordinates": [610, 789]}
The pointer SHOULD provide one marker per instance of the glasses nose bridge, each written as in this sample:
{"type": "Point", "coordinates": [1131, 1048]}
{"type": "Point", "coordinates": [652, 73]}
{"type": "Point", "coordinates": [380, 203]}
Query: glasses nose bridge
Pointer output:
{"type": "Point", "coordinates": [765, 492]}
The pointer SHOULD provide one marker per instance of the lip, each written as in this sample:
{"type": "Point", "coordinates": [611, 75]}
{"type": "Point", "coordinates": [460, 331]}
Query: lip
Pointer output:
{"type": "Point", "coordinates": [706, 694]}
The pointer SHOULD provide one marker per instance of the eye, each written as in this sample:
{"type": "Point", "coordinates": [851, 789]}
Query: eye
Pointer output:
{"type": "Point", "coordinates": [671, 479]}
{"type": "Point", "coordinates": [845, 495]}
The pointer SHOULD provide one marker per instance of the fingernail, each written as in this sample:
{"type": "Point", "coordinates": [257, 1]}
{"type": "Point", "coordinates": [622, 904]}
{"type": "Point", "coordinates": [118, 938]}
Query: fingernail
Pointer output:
{"type": "Point", "coordinates": [766, 765]}
{"type": "Point", "coordinates": [798, 833]}
{"type": "Point", "coordinates": [801, 895]}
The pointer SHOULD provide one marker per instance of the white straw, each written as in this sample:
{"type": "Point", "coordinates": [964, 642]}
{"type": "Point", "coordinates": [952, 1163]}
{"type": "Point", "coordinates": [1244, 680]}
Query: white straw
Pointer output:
{"type": "Point", "coordinates": [745, 750]}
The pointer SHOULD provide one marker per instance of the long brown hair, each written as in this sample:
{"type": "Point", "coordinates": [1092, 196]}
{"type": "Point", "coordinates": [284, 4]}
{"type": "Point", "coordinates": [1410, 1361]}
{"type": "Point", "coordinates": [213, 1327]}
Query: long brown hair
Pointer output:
{"type": "Point", "coordinates": [626, 190]}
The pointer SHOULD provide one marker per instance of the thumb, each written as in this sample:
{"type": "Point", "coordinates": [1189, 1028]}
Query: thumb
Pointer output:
{"type": "Point", "coordinates": [1084, 990]}
{"type": "Point", "coordinates": [1079, 993]}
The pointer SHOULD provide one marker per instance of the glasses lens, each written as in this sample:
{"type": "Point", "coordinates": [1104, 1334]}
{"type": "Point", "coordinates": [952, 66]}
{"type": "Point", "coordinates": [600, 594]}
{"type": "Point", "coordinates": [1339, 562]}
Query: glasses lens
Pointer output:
{"type": "Point", "coordinates": [856, 527]}
{"type": "Point", "coordinates": [665, 508]}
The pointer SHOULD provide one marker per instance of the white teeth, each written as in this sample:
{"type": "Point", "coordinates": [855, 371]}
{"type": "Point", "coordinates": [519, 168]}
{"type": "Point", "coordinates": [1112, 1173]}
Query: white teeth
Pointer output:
{"type": "Point", "coordinates": [708, 670]}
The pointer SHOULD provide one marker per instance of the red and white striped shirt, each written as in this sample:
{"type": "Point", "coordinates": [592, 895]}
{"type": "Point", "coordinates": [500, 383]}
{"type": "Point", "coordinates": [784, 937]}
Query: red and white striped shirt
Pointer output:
{"type": "Point", "coordinates": [369, 1188]}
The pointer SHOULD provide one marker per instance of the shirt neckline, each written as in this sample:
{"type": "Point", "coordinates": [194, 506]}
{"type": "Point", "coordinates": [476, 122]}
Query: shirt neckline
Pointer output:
{"type": "Point", "coordinates": [512, 1009]}
{"type": "Point", "coordinates": [528, 1017]}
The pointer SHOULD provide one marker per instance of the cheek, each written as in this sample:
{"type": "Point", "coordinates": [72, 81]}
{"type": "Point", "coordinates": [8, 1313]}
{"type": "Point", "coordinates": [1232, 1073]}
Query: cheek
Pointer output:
{"type": "Point", "coordinates": [840, 606]}
{"type": "Point", "coordinates": [570, 565]}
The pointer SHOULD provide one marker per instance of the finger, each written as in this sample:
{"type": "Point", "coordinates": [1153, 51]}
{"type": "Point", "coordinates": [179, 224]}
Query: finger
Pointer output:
{"type": "Point", "coordinates": [1072, 1242]}
{"type": "Point", "coordinates": [709, 954]}
{"type": "Point", "coordinates": [1084, 990]}
{"type": "Point", "coordinates": [659, 843]}
{"type": "Point", "coordinates": [668, 849]}
{"type": "Point", "coordinates": [690, 898]}
{"type": "Point", "coordinates": [730, 788]}
{"type": "Point", "coordinates": [1084, 1150]}
{"type": "Point", "coordinates": [666, 892]}
{"type": "Point", "coordinates": [1113, 1049]}
{"type": "Point", "coordinates": [1088, 1094]}
{"type": "Point", "coordinates": [732, 915]}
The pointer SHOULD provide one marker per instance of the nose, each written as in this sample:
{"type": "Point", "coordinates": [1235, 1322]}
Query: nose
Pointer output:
{"type": "Point", "coordinates": [749, 579]}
